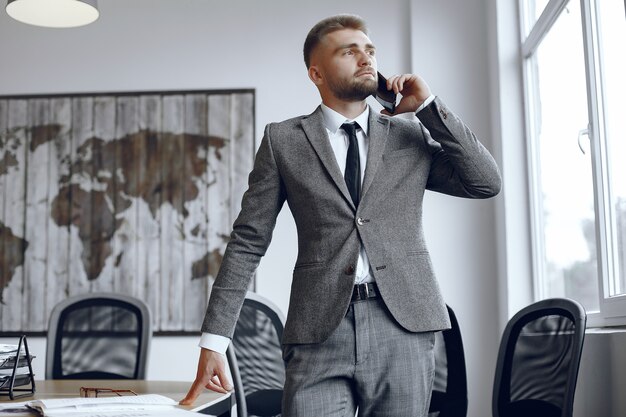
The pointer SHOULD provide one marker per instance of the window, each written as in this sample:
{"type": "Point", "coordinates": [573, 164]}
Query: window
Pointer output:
{"type": "Point", "coordinates": [574, 66]}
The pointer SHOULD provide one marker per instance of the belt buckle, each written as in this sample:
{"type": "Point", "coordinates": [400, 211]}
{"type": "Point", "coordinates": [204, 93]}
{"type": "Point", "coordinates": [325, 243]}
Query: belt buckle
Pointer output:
{"type": "Point", "coordinates": [357, 294]}
{"type": "Point", "coordinates": [366, 290]}
{"type": "Point", "coordinates": [363, 291]}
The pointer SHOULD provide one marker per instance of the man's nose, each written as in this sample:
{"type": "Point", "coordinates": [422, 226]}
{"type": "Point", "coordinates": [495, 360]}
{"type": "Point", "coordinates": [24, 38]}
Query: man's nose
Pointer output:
{"type": "Point", "coordinates": [365, 59]}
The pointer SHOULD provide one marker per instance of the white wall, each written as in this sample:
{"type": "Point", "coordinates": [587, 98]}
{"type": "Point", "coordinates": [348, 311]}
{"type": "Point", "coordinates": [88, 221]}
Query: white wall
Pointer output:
{"type": "Point", "coordinates": [449, 42]}
{"type": "Point", "coordinates": [508, 127]}
{"type": "Point", "coordinates": [144, 45]}
{"type": "Point", "coordinates": [602, 375]}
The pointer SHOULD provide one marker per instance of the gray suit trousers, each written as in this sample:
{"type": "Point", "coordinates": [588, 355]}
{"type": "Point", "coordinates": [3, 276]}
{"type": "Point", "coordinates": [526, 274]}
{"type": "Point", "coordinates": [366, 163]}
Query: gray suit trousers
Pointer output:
{"type": "Point", "coordinates": [369, 362]}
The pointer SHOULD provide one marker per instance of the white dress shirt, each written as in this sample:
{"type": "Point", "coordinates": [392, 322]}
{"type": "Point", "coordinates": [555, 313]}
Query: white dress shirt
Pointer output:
{"type": "Point", "coordinates": [339, 142]}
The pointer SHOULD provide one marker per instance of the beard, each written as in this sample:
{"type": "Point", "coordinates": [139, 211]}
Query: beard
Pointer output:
{"type": "Point", "coordinates": [352, 89]}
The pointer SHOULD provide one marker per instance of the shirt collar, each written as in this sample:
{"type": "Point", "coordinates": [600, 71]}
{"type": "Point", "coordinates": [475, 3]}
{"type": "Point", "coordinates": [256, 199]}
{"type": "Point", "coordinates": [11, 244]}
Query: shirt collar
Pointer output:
{"type": "Point", "coordinates": [334, 120]}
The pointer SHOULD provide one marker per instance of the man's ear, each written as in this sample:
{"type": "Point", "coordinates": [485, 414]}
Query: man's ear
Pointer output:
{"type": "Point", "coordinates": [315, 75]}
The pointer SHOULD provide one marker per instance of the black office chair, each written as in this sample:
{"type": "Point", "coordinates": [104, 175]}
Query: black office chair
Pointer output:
{"type": "Point", "coordinates": [255, 358]}
{"type": "Point", "coordinates": [98, 336]}
{"type": "Point", "coordinates": [449, 395]}
{"type": "Point", "coordinates": [539, 359]}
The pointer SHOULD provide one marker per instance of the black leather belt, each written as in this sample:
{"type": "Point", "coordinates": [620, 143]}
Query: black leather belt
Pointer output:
{"type": "Point", "coordinates": [365, 291]}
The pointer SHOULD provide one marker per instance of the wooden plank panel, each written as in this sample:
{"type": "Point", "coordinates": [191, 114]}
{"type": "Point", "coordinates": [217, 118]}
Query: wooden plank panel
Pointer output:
{"type": "Point", "coordinates": [6, 160]}
{"type": "Point", "coordinates": [195, 243]}
{"type": "Point", "coordinates": [14, 213]}
{"type": "Point", "coordinates": [75, 194]}
{"type": "Point", "coordinates": [36, 215]}
{"type": "Point", "coordinates": [95, 171]}
{"type": "Point", "coordinates": [59, 148]}
{"type": "Point", "coordinates": [150, 178]}
{"type": "Point", "coordinates": [125, 178]}
{"type": "Point", "coordinates": [242, 150]}
{"type": "Point", "coordinates": [172, 209]}
{"type": "Point", "coordinates": [101, 170]}
{"type": "Point", "coordinates": [220, 220]}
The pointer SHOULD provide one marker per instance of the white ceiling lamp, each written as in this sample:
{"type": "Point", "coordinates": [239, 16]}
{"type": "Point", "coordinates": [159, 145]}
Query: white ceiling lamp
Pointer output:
{"type": "Point", "coordinates": [54, 13]}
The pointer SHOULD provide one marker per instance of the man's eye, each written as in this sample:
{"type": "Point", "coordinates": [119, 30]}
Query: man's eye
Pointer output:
{"type": "Point", "coordinates": [372, 52]}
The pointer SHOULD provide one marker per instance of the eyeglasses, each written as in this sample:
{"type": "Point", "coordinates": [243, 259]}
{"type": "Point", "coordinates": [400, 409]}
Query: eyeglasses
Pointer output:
{"type": "Point", "coordinates": [88, 392]}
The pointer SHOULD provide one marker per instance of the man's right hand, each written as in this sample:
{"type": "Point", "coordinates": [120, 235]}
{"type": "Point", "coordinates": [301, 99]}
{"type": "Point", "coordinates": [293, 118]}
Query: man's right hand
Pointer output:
{"type": "Point", "coordinates": [211, 374]}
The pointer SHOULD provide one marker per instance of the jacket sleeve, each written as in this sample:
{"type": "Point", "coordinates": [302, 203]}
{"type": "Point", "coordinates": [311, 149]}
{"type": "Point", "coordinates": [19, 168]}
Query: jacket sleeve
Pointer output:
{"type": "Point", "coordinates": [461, 165]}
{"type": "Point", "coordinates": [249, 240]}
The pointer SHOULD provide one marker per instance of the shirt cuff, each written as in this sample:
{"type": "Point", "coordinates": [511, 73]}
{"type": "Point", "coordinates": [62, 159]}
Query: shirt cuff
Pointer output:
{"type": "Point", "coordinates": [214, 342]}
{"type": "Point", "coordinates": [425, 103]}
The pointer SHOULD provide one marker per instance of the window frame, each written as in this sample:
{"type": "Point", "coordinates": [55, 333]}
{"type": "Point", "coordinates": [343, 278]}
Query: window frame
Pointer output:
{"type": "Point", "coordinates": [612, 309]}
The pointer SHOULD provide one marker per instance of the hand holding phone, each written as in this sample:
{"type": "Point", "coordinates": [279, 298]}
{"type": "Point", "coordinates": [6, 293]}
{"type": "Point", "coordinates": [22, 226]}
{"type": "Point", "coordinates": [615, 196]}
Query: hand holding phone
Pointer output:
{"type": "Point", "coordinates": [384, 96]}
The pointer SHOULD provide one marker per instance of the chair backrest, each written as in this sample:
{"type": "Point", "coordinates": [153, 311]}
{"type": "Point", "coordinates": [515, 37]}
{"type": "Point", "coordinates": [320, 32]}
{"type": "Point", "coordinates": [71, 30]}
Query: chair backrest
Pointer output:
{"type": "Point", "coordinates": [98, 336]}
{"type": "Point", "coordinates": [538, 360]}
{"type": "Point", "coordinates": [449, 395]}
{"type": "Point", "coordinates": [255, 358]}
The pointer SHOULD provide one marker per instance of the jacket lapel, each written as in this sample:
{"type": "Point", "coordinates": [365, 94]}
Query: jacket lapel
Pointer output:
{"type": "Point", "coordinates": [315, 131]}
{"type": "Point", "coordinates": [378, 131]}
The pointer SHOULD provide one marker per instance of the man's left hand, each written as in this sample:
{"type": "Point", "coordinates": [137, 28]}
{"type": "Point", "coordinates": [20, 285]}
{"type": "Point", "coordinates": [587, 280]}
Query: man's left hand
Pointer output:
{"type": "Point", "coordinates": [413, 89]}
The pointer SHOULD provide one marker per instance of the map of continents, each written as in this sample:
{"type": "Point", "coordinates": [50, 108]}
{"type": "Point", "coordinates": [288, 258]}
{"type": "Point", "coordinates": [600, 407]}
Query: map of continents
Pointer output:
{"type": "Point", "coordinates": [111, 174]}
{"type": "Point", "coordinates": [107, 192]}
{"type": "Point", "coordinates": [96, 164]}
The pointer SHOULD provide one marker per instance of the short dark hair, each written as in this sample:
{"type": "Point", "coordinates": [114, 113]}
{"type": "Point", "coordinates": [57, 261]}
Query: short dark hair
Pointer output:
{"type": "Point", "coordinates": [328, 25]}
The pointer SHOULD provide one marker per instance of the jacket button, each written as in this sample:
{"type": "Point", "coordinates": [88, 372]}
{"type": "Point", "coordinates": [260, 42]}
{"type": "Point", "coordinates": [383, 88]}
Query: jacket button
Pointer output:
{"type": "Point", "coordinates": [349, 270]}
{"type": "Point", "coordinates": [444, 113]}
{"type": "Point", "coordinates": [360, 221]}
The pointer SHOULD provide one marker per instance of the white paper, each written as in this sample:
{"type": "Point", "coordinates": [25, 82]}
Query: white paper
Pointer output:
{"type": "Point", "coordinates": [10, 405]}
{"type": "Point", "coordinates": [131, 400]}
{"type": "Point", "coordinates": [125, 406]}
{"type": "Point", "coordinates": [170, 412]}
{"type": "Point", "coordinates": [149, 405]}
{"type": "Point", "coordinates": [7, 348]}
{"type": "Point", "coordinates": [16, 409]}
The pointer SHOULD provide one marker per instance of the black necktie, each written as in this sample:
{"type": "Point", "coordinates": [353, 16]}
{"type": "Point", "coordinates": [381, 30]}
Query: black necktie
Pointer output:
{"type": "Point", "coordinates": [353, 164]}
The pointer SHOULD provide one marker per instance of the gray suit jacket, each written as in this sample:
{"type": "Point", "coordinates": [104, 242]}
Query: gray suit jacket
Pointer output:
{"type": "Point", "coordinates": [295, 162]}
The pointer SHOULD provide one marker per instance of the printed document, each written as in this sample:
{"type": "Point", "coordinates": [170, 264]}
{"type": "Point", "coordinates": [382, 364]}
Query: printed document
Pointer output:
{"type": "Point", "coordinates": [125, 406]}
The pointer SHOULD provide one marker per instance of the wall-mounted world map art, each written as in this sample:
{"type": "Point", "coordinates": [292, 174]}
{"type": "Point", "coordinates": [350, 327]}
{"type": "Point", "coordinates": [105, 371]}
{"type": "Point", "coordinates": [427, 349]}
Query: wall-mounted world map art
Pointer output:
{"type": "Point", "coordinates": [129, 193]}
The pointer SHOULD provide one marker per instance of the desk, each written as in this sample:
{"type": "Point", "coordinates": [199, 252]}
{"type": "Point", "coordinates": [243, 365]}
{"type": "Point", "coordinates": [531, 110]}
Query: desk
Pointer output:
{"type": "Point", "coordinates": [208, 402]}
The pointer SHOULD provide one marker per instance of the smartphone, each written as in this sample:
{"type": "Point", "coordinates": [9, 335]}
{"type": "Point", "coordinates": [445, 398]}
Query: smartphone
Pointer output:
{"type": "Point", "coordinates": [385, 97]}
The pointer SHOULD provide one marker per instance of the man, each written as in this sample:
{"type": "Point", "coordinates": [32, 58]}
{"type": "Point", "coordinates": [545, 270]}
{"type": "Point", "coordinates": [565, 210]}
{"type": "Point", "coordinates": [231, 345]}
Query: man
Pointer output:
{"type": "Point", "coordinates": [364, 300]}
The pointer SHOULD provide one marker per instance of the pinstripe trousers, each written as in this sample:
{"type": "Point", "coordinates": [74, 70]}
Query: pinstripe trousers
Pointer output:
{"type": "Point", "coordinates": [369, 363]}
